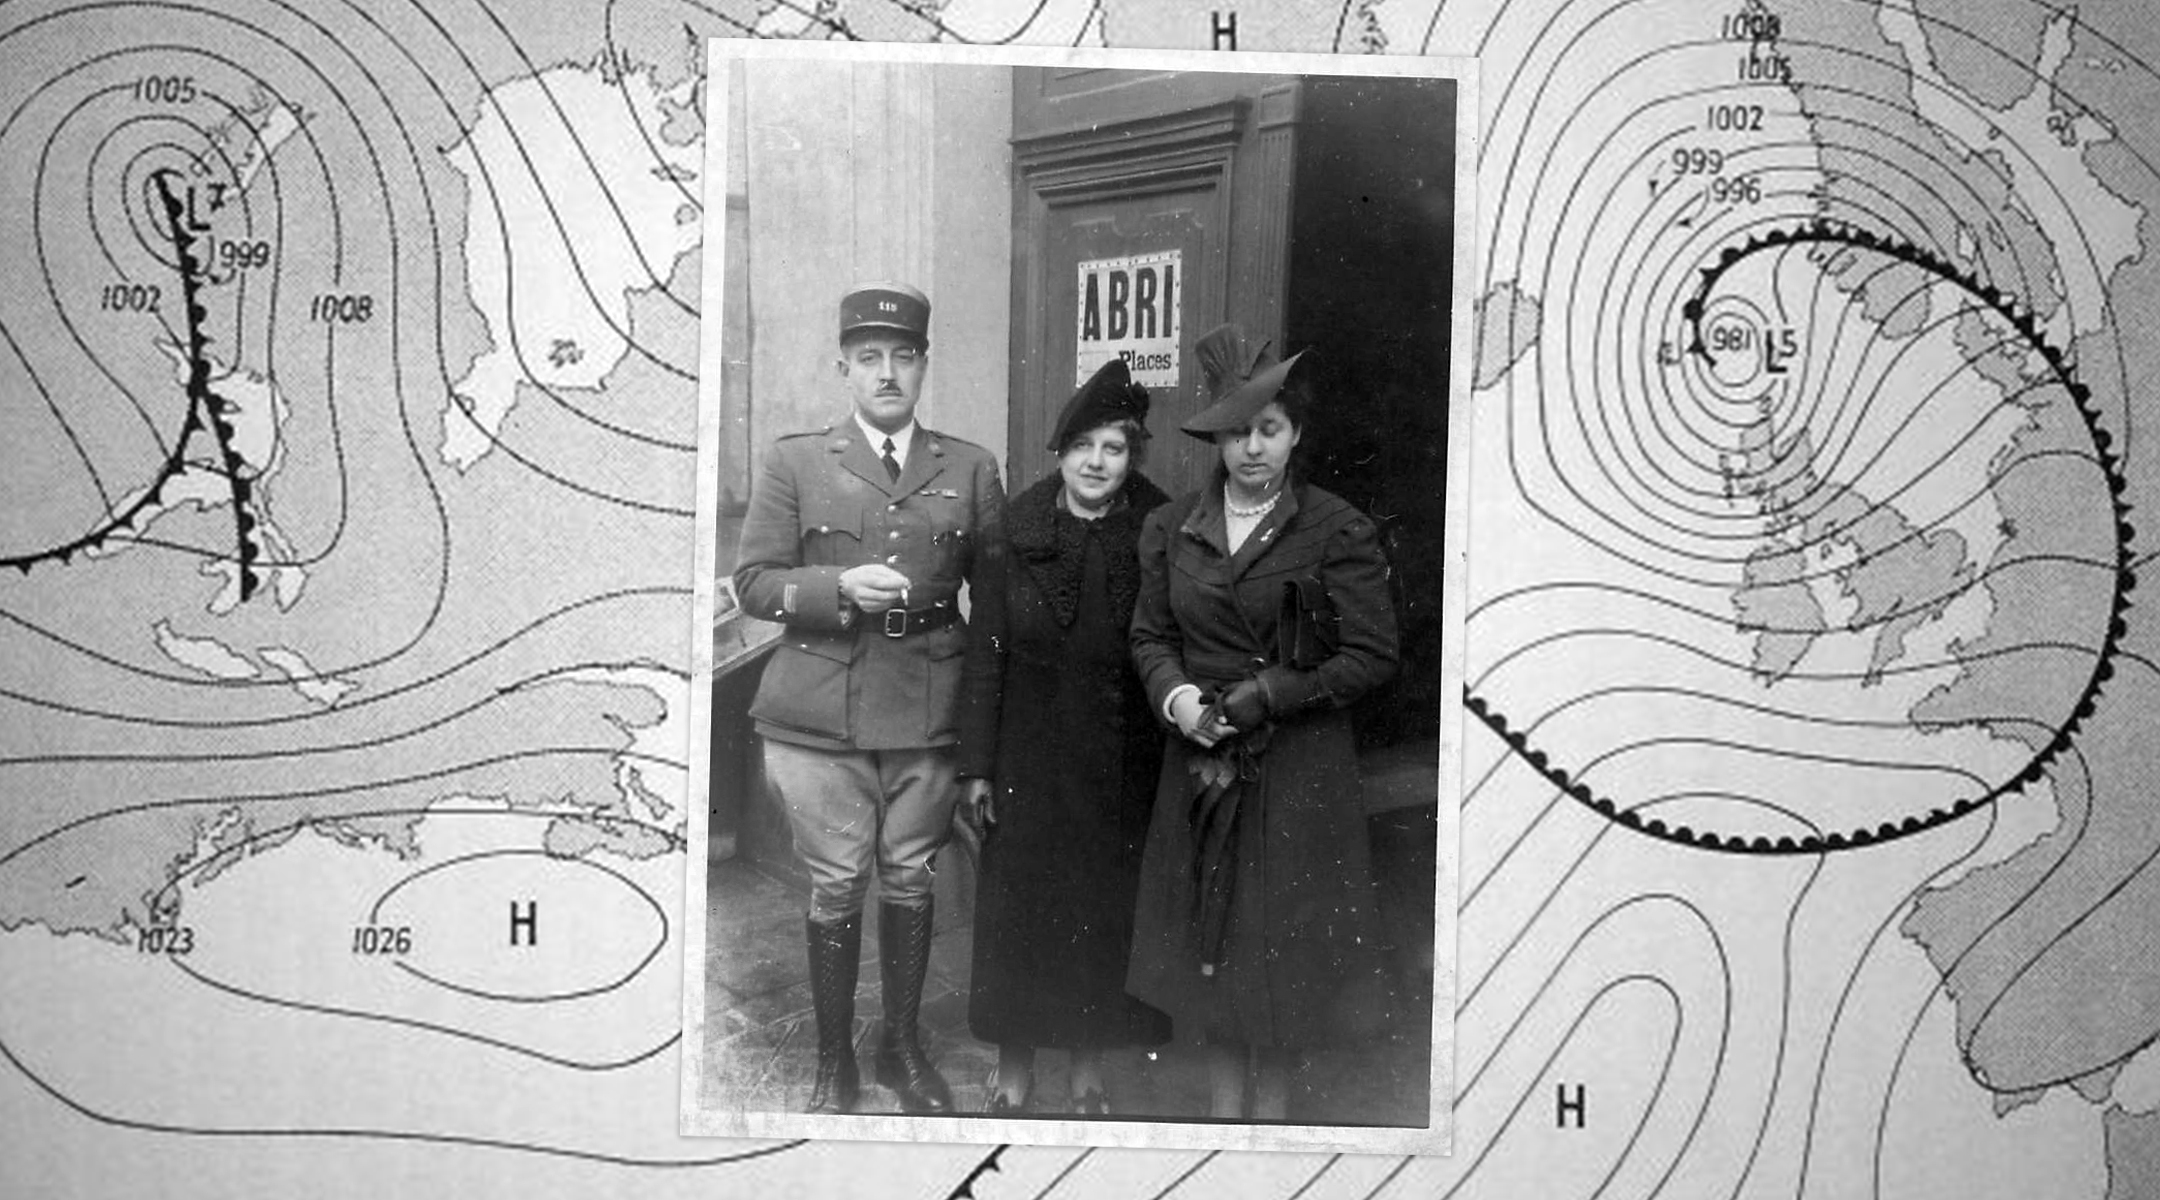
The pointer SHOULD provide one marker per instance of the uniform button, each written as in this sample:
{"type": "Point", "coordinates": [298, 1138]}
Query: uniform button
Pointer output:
{"type": "Point", "coordinates": [892, 558]}
{"type": "Point", "coordinates": [824, 529]}
{"type": "Point", "coordinates": [894, 506]}
{"type": "Point", "coordinates": [894, 535]}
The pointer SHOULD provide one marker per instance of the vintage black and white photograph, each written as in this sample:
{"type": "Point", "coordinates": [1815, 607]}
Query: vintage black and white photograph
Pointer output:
{"type": "Point", "coordinates": [1080, 597]}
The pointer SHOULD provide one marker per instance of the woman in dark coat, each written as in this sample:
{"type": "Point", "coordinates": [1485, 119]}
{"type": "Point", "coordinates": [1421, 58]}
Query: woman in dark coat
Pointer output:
{"type": "Point", "coordinates": [1077, 756]}
{"type": "Point", "coordinates": [1263, 613]}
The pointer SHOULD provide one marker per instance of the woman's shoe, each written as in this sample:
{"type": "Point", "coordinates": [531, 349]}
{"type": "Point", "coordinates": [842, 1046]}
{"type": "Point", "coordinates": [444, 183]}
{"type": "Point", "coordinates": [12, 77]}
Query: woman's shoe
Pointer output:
{"type": "Point", "coordinates": [1091, 1103]}
{"type": "Point", "coordinates": [999, 1105]}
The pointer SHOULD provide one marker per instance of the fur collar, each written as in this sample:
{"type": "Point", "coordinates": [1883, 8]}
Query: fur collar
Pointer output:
{"type": "Point", "coordinates": [1051, 542]}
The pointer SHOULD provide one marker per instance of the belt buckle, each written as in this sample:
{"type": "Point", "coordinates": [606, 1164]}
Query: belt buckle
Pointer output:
{"type": "Point", "coordinates": [898, 628]}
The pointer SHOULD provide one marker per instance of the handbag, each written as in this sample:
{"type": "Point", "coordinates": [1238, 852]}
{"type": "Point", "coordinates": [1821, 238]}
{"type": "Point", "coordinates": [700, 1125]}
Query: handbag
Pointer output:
{"type": "Point", "coordinates": [1308, 629]}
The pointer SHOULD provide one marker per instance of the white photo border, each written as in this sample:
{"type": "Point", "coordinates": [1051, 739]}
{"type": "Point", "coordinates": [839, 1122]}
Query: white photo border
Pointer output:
{"type": "Point", "coordinates": [1198, 1134]}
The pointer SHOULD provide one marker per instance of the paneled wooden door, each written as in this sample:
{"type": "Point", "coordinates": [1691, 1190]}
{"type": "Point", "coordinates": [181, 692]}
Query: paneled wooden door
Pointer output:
{"type": "Point", "coordinates": [1143, 176]}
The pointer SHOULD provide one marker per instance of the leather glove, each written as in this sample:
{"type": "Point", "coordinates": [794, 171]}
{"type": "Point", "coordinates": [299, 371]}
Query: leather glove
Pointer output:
{"type": "Point", "coordinates": [1244, 705]}
{"type": "Point", "coordinates": [1290, 691]}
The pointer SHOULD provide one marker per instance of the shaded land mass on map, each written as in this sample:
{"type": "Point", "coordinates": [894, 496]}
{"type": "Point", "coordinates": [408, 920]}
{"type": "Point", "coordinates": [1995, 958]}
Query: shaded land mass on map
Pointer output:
{"type": "Point", "coordinates": [97, 876]}
{"type": "Point", "coordinates": [1980, 44]}
{"type": "Point", "coordinates": [576, 837]}
{"type": "Point", "coordinates": [2049, 954]}
{"type": "Point", "coordinates": [1507, 327]}
{"type": "Point", "coordinates": [1884, 163]}
{"type": "Point", "coordinates": [2133, 1154]}
{"type": "Point", "coordinates": [1899, 577]}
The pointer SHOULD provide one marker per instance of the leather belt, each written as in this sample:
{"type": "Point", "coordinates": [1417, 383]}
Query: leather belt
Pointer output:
{"type": "Point", "coordinates": [900, 622]}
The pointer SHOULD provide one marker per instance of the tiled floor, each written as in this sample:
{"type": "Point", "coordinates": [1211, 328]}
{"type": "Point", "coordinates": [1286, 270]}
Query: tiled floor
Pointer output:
{"type": "Point", "coordinates": [762, 1046]}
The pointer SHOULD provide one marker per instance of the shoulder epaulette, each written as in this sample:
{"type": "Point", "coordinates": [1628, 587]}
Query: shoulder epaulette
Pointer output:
{"type": "Point", "coordinates": [953, 439]}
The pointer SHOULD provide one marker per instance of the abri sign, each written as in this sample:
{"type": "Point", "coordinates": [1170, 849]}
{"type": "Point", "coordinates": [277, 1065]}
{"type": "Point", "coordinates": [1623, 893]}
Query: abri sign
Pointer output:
{"type": "Point", "coordinates": [1129, 308]}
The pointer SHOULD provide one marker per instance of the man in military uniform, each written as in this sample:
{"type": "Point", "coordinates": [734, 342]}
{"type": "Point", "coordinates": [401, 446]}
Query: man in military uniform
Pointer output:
{"type": "Point", "coordinates": [859, 537]}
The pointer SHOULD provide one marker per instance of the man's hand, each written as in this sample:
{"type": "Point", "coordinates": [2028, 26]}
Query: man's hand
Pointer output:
{"type": "Point", "coordinates": [1200, 723]}
{"type": "Point", "coordinates": [975, 802]}
{"type": "Point", "coordinates": [873, 587]}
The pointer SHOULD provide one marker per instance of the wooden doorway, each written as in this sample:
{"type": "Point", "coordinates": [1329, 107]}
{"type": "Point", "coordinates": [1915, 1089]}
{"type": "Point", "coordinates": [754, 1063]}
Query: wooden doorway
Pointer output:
{"type": "Point", "coordinates": [1190, 171]}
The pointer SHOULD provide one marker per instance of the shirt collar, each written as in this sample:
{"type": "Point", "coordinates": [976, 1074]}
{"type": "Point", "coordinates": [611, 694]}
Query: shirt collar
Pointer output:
{"type": "Point", "coordinates": [874, 437]}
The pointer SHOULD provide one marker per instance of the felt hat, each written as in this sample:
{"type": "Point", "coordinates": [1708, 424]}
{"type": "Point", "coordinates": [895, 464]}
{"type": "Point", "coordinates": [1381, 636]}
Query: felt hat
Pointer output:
{"type": "Point", "coordinates": [885, 307]}
{"type": "Point", "coordinates": [1242, 377]}
{"type": "Point", "coordinates": [1108, 395]}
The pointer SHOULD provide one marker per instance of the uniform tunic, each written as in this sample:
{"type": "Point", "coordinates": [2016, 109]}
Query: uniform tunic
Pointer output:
{"type": "Point", "coordinates": [1302, 949]}
{"type": "Point", "coordinates": [860, 713]}
{"type": "Point", "coordinates": [1077, 760]}
{"type": "Point", "coordinates": [823, 504]}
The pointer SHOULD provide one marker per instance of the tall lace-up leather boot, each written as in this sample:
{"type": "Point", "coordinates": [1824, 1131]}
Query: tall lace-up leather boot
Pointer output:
{"type": "Point", "coordinates": [904, 954]}
{"type": "Point", "coordinates": [835, 953]}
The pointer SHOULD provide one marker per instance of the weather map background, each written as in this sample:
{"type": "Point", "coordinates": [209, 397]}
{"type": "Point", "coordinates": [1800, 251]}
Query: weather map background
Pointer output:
{"type": "Point", "coordinates": [351, 376]}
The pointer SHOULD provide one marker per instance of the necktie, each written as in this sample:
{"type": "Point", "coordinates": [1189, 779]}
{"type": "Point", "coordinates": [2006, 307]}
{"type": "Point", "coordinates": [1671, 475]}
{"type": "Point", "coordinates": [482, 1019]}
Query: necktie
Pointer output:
{"type": "Point", "coordinates": [892, 465]}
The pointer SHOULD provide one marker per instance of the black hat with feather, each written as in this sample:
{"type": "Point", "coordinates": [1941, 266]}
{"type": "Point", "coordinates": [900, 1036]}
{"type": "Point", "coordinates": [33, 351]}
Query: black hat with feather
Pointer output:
{"type": "Point", "coordinates": [1241, 378]}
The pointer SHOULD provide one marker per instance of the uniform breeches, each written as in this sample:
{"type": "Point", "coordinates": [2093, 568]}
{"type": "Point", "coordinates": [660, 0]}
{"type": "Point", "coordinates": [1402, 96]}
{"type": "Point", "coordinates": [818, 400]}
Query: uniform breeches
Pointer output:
{"type": "Point", "coordinates": [852, 810]}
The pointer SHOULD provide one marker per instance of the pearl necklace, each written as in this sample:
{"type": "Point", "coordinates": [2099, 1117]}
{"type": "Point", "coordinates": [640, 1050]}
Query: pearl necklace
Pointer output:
{"type": "Point", "coordinates": [1258, 510]}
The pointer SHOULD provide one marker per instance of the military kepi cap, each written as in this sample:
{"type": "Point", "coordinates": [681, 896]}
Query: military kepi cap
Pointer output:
{"type": "Point", "coordinates": [885, 306]}
{"type": "Point", "coordinates": [1108, 396]}
{"type": "Point", "coordinates": [1242, 376]}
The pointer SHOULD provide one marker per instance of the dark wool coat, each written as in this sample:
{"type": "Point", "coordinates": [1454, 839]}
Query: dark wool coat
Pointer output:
{"type": "Point", "coordinates": [1303, 937]}
{"type": "Point", "coordinates": [1077, 757]}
